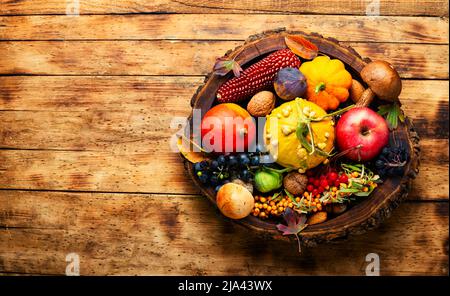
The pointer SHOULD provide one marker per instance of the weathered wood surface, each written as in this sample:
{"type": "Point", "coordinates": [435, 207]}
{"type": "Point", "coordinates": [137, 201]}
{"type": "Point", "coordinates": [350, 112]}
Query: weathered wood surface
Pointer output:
{"type": "Point", "coordinates": [118, 151]}
{"type": "Point", "coordinates": [222, 27]}
{"type": "Point", "coordinates": [63, 129]}
{"type": "Point", "coordinates": [147, 234]}
{"type": "Point", "coordinates": [387, 7]}
{"type": "Point", "coordinates": [184, 57]}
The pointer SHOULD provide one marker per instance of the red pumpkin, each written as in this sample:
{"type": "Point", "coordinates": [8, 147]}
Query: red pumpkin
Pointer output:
{"type": "Point", "coordinates": [227, 128]}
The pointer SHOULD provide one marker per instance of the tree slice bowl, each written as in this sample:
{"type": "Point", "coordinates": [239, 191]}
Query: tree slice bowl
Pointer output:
{"type": "Point", "coordinates": [365, 215]}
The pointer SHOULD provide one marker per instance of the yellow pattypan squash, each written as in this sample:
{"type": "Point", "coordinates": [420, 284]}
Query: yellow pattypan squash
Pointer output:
{"type": "Point", "coordinates": [328, 82]}
{"type": "Point", "coordinates": [280, 135]}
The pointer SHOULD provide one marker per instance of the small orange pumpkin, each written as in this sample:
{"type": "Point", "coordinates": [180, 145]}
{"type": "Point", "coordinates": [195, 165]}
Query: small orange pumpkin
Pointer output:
{"type": "Point", "coordinates": [328, 82]}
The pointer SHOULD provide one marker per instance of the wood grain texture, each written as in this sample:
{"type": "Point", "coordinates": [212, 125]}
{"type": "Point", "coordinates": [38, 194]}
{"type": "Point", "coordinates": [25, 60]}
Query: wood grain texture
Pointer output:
{"type": "Point", "coordinates": [426, 99]}
{"type": "Point", "coordinates": [126, 170]}
{"type": "Point", "coordinates": [82, 139]}
{"type": "Point", "coordinates": [222, 27]}
{"type": "Point", "coordinates": [184, 58]}
{"type": "Point", "coordinates": [145, 234]}
{"type": "Point", "coordinates": [387, 7]}
{"type": "Point", "coordinates": [98, 133]}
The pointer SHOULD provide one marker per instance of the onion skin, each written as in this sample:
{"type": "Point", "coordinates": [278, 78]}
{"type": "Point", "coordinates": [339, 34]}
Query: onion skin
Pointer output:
{"type": "Point", "coordinates": [290, 83]}
{"type": "Point", "coordinates": [235, 201]}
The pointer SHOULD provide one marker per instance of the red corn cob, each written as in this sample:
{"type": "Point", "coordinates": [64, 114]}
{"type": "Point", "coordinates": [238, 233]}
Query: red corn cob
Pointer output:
{"type": "Point", "coordinates": [257, 77]}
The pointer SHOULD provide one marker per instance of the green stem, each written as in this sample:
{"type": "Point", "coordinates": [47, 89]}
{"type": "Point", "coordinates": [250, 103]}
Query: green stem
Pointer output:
{"type": "Point", "coordinates": [319, 87]}
{"type": "Point", "coordinates": [285, 170]}
{"type": "Point", "coordinates": [303, 127]}
{"type": "Point", "coordinates": [312, 138]}
{"type": "Point", "coordinates": [333, 113]}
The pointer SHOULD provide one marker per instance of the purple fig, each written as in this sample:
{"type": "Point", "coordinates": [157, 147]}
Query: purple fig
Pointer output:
{"type": "Point", "coordinates": [290, 83]}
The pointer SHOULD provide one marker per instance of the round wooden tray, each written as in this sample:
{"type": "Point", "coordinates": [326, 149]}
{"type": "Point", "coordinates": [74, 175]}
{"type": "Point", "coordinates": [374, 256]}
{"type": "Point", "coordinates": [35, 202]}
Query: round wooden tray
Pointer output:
{"type": "Point", "coordinates": [367, 214]}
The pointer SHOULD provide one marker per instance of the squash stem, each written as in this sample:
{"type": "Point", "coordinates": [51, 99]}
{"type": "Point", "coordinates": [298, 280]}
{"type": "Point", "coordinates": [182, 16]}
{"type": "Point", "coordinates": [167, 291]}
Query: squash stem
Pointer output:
{"type": "Point", "coordinates": [319, 87]}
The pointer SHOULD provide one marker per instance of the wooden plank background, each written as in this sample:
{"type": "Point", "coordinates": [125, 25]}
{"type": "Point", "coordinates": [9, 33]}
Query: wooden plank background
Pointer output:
{"type": "Point", "coordinates": [85, 109]}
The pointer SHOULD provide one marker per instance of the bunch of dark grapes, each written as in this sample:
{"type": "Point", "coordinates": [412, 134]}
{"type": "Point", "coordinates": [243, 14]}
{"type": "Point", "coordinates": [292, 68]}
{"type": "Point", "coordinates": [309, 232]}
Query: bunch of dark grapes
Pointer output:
{"type": "Point", "coordinates": [392, 161]}
{"type": "Point", "coordinates": [223, 169]}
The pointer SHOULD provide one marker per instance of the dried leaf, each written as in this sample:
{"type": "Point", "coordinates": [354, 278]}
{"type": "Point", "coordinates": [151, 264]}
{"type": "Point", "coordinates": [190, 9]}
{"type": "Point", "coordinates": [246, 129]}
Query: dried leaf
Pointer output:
{"type": "Point", "coordinates": [295, 224]}
{"type": "Point", "coordinates": [188, 153]}
{"type": "Point", "coordinates": [223, 66]}
{"type": "Point", "coordinates": [301, 47]}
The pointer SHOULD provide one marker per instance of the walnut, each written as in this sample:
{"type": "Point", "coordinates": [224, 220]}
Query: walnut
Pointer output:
{"type": "Point", "coordinates": [295, 183]}
{"type": "Point", "coordinates": [261, 104]}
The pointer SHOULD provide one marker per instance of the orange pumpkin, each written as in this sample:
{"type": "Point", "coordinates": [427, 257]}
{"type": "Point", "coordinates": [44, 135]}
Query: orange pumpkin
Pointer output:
{"type": "Point", "coordinates": [328, 82]}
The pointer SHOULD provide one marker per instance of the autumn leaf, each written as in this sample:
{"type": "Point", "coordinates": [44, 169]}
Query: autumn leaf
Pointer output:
{"type": "Point", "coordinates": [185, 147]}
{"type": "Point", "coordinates": [223, 66]}
{"type": "Point", "coordinates": [301, 47]}
{"type": "Point", "coordinates": [295, 224]}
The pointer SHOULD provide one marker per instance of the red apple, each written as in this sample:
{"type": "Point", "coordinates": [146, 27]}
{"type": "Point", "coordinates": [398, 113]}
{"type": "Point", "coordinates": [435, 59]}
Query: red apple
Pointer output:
{"type": "Point", "coordinates": [363, 133]}
{"type": "Point", "coordinates": [227, 128]}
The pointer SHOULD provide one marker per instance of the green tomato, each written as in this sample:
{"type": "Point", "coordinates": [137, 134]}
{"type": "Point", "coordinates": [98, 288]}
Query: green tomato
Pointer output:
{"type": "Point", "coordinates": [268, 180]}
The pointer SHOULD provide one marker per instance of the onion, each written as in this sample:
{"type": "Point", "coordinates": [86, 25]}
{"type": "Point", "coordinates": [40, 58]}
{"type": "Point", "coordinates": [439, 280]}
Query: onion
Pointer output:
{"type": "Point", "coordinates": [235, 201]}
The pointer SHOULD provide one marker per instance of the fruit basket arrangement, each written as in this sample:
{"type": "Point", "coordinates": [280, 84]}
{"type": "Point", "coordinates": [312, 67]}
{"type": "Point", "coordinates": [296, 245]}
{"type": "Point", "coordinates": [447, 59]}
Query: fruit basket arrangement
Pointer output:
{"type": "Point", "coordinates": [296, 136]}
